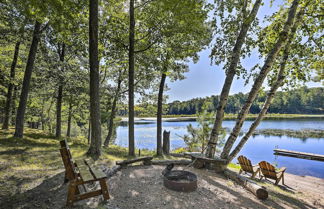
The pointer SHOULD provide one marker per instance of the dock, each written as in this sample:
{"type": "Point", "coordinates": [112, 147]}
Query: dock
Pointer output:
{"type": "Point", "coordinates": [303, 155]}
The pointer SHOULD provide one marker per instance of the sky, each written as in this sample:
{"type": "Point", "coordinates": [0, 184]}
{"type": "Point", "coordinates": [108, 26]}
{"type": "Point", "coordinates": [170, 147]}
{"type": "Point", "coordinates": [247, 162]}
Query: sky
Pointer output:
{"type": "Point", "coordinates": [204, 79]}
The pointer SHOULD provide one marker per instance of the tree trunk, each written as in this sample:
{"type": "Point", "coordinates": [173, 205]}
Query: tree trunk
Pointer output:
{"type": "Point", "coordinates": [278, 83]}
{"type": "Point", "coordinates": [59, 98]}
{"type": "Point", "coordinates": [25, 87]}
{"type": "Point", "coordinates": [13, 105]}
{"type": "Point", "coordinates": [131, 72]}
{"type": "Point", "coordinates": [95, 144]}
{"type": "Point", "coordinates": [42, 119]}
{"type": "Point", "coordinates": [49, 119]}
{"type": "Point", "coordinates": [230, 73]}
{"type": "Point", "coordinates": [113, 113]}
{"type": "Point", "coordinates": [159, 116]}
{"type": "Point", "coordinates": [89, 131]}
{"type": "Point", "coordinates": [259, 80]}
{"type": "Point", "coordinates": [68, 131]}
{"type": "Point", "coordinates": [8, 108]}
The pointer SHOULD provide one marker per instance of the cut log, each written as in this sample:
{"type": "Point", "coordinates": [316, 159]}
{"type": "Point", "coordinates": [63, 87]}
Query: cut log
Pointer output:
{"type": "Point", "coordinates": [250, 185]}
{"type": "Point", "coordinates": [146, 161]}
{"type": "Point", "coordinates": [167, 162]}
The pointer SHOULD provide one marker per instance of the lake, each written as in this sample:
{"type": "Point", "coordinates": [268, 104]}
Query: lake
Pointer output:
{"type": "Point", "coordinates": [258, 148]}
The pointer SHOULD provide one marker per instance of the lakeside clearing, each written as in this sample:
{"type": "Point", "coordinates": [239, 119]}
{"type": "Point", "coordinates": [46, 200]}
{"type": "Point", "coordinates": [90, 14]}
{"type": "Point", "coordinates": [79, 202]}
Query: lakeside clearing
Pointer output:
{"type": "Point", "coordinates": [32, 166]}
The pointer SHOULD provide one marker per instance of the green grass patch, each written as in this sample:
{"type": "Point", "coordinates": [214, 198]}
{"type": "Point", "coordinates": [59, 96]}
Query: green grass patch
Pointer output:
{"type": "Point", "coordinates": [234, 166]}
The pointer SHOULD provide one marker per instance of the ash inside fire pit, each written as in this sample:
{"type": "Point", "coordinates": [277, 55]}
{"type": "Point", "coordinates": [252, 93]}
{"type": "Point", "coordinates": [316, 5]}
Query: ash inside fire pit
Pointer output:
{"type": "Point", "coordinates": [179, 180]}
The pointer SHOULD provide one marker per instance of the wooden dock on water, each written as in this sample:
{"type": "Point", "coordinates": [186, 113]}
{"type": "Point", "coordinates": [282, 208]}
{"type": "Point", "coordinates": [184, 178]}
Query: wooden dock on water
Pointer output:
{"type": "Point", "coordinates": [303, 155]}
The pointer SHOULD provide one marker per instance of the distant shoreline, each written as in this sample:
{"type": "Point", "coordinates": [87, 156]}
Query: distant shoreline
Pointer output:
{"type": "Point", "coordinates": [175, 118]}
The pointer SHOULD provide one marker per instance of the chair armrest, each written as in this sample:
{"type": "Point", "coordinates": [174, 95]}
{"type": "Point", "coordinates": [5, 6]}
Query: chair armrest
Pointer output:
{"type": "Point", "coordinates": [283, 169]}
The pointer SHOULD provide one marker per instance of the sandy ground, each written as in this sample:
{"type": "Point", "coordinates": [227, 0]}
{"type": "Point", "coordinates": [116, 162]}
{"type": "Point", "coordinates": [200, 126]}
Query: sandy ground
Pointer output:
{"type": "Point", "coordinates": [141, 187]}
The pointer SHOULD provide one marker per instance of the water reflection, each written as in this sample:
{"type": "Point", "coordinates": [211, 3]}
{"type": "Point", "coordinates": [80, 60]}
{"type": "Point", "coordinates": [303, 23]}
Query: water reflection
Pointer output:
{"type": "Point", "coordinates": [258, 148]}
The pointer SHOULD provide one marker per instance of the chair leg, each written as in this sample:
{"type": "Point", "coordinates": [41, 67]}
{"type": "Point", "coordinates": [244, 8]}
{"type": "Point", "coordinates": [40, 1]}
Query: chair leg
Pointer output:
{"type": "Point", "coordinates": [71, 193]}
{"type": "Point", "coordinates": [277, 181]}
{"type": "Point", "coordinates": [240, 171]}
{"type": "Point", "coordinates": [104, 189]}
{"type": "Point", "coordinates": [253, 174]}
{"type": "Point", "coordinates": [283, 182]}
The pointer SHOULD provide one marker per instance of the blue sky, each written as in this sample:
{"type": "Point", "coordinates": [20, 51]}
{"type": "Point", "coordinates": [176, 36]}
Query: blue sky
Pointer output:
{"type": "Point", "coordinates": [205, 80]}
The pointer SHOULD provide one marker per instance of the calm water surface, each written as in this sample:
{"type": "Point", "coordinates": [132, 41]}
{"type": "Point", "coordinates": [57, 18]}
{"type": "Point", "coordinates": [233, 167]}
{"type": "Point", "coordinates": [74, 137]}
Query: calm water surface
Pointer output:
{"type": "Point", "coordinates": [258, 148]}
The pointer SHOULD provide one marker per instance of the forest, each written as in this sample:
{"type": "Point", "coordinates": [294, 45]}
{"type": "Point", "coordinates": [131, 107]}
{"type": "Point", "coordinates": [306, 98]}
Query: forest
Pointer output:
{"type": "Point", "coordinates": [298, 101]}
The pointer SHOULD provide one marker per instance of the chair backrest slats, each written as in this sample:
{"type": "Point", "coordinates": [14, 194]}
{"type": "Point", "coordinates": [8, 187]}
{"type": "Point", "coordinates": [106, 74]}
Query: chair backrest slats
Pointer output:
{"type": "Point", "coordinates": [68, 160]}
{"type": "Point", "coordinates": [245, 163]}
{"type": "Point", "coordinates": [268, 170]}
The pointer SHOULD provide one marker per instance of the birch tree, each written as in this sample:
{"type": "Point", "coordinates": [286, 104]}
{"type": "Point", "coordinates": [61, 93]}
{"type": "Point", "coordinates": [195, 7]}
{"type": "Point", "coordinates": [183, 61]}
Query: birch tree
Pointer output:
{"type": "Point", "coordinates": [269, 61]}
{"type": "Point", "coordinates": [229, 24]}
{"type": "Point", "coordinates": [295, 62]}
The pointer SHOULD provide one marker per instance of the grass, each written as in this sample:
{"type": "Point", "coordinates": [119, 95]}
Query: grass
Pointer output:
{"type": "Point", "coordinates": [234, 166]}
{"type": "Point", "coordinates": [28, 161]}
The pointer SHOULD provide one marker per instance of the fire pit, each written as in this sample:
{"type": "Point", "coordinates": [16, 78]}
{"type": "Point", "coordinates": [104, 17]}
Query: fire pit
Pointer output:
{"type": "Point", "coordinates": [179, 180]}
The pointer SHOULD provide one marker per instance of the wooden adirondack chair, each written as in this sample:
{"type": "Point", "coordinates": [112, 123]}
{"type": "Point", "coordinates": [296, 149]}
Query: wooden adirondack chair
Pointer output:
{"type": "Point", "coordinates": [269, 171]}
{"type": "Point", "coordinates": [247, 166]}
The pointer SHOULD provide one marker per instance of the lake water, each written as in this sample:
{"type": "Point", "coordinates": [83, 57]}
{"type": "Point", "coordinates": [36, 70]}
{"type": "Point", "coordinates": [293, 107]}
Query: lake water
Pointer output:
{"type": "Point", "coordinates": [258, 148]}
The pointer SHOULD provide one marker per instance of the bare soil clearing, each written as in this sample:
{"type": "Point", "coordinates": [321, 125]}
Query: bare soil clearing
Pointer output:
{"type": "Point", "coordinates": [142, 187]}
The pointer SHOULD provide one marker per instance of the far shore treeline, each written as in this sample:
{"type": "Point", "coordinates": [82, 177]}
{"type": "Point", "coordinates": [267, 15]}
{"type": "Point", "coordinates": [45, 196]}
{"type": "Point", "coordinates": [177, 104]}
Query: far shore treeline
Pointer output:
{"type": "Point", "coordinates": [297, 101]}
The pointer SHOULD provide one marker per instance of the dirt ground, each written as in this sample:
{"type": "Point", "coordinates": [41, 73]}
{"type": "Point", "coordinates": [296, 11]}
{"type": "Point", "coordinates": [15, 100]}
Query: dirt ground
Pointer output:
{"type": "Point", "coordinates": [141, 187]}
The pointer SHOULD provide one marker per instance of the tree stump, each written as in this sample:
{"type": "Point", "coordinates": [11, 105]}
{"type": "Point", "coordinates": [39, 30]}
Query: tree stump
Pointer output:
{"type": "Point", "coordinates": [166, 142]}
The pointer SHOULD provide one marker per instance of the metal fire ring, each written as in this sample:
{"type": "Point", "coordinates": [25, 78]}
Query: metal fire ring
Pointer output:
{"type": "Point", "coordinates": [187, 181]}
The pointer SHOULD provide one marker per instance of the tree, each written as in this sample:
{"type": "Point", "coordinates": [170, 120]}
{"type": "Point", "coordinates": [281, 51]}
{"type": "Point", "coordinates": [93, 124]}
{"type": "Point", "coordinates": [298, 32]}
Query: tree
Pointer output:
{"type": "Point", "coordinates": [294, 63]}
{"type": "Point", "coordinates": [282, 38]}
{"type": "Point", "coordinates": [61, 52]}
{"type": "Point", "coordinates": [198, 138]}
{"type": "Point", "coordinates": [95, 144]}
{"type": "Point", "coordinates": [183, 31]}
{"type": "Point", "coordinates": [246, 19]}
{"type": "Point", "coordinates": [14, 28]}
{"type": "Point", "coordinates": [9, 102]}
{"type": "Point", "coordinates": [25, 86]}
{"type": "Point", "coordinates": [113, 109]}
{"type": "Point", "coordinates": [131, 69]}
